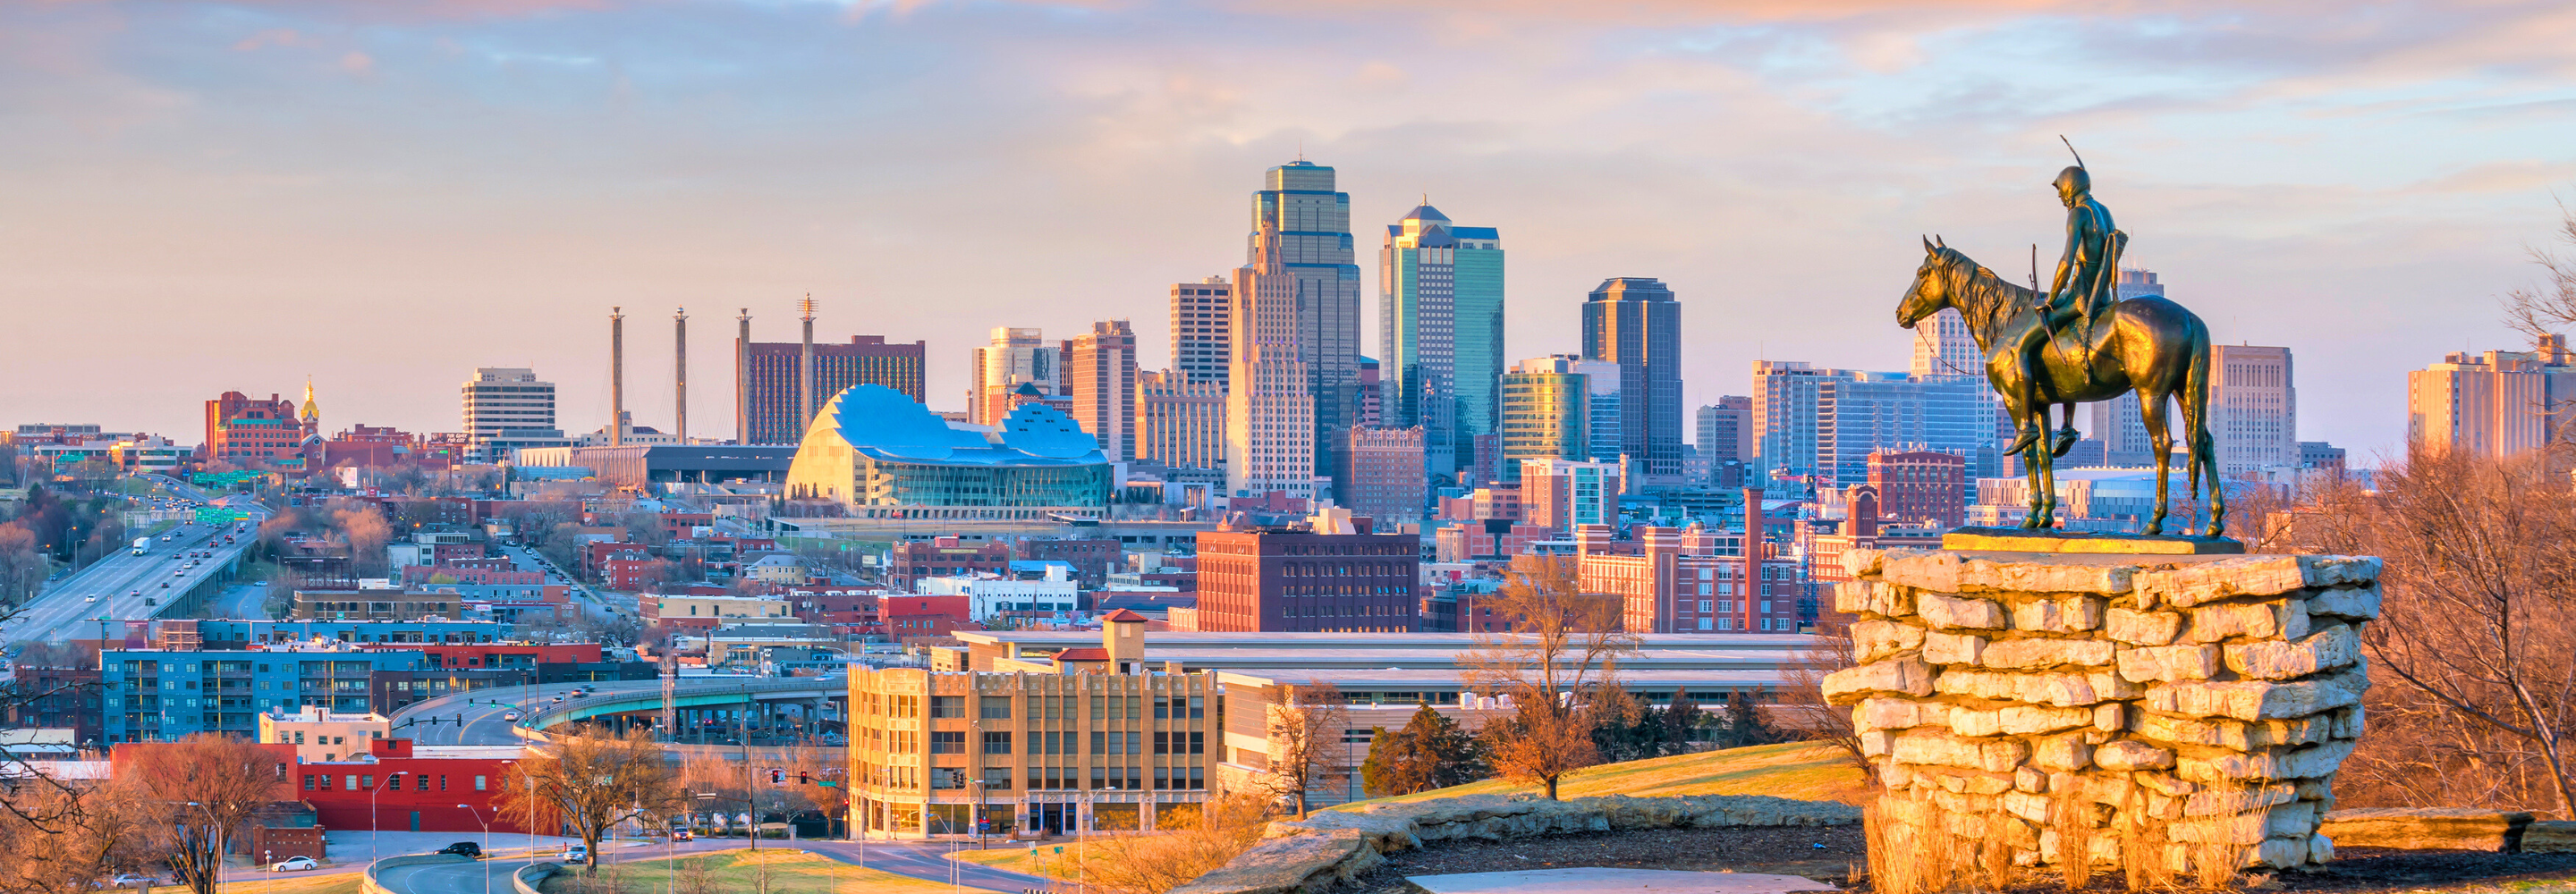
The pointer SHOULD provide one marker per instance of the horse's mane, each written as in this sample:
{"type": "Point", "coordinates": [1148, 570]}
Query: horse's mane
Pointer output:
{"type": "Point", "coordinates": [1987, 301]}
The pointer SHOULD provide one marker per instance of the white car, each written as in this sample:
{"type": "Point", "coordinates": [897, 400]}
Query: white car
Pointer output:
{"type": "Point", "coordinates": [574, 853]}
{"type": "Point", "coordinates": [133, 880]}
{"type": "Point", "coordinates": [510, 715]}
{"type": "Point", "coordinates": [293, 864]}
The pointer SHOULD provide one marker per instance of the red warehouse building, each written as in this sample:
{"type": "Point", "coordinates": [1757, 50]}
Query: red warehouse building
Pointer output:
{"type": "Point", "coordinates": [403, 787]}
{"type": "Point", "coordinates": [484, 656]}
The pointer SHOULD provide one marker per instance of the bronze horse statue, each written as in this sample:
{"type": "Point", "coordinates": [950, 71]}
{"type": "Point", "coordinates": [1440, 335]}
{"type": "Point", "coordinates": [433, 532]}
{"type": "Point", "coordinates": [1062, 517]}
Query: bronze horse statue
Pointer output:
{"type": "Point", "coordinates": [2144, 344]}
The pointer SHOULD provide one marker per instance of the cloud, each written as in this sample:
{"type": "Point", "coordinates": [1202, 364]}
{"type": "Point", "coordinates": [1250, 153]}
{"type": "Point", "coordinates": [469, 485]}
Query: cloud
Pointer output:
{"type": "Point", "coordinates": [357, 63]}
{"type": "Point", "coordinates": [273, 37]}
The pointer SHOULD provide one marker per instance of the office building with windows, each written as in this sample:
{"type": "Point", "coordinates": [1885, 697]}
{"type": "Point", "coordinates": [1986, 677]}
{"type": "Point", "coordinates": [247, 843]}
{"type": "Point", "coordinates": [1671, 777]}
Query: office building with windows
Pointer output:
{"type": "Point", "coordinates": [1180, 421]}
{"type": "Point", "coordinates": [1310, 226]}
{"type": "Point", "coordinates": [507, 409]}
{"type": "Point", "coordinates": [1271, 442]}
{"type": "Point", "coordinates": [1634, 322]}
{"type": "Point", "coordinates": [161, 695]}
{"type": "Point", "coordinates": [1100, 374]}
{"type": "Point", "coordinates": [771, 379]}
{"type": "Point", "coordinates": [1440, 329]}
{"type": "Point", "coordinates": [1202, 330]}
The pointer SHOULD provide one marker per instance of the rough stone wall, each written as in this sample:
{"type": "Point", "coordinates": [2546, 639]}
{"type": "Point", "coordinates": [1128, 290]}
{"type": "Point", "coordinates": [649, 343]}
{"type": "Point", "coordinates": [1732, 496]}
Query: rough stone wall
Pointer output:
{"type": "Point", "coordinates": [2168, 710]}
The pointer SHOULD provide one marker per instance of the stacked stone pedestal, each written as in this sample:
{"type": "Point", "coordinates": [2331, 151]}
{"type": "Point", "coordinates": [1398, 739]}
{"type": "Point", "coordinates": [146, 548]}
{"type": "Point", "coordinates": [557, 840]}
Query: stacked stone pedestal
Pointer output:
{"type": "Point", "coordinates": [2172, 711]}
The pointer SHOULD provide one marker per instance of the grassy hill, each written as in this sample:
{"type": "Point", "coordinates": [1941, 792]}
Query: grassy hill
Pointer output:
{"type": "Point", "coordinates": [1811, 771]}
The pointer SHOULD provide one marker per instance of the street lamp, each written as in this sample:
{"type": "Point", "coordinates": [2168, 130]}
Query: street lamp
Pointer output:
{"type": "Point", "coordinates": [487, 843]}
{"type": "Point", "coordinates": [375, 827]}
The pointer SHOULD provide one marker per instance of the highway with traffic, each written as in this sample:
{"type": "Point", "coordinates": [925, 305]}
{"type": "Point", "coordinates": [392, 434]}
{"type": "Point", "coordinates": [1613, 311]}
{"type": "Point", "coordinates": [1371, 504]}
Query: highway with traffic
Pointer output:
{"type": "Point", "coordinates": [128, 587]}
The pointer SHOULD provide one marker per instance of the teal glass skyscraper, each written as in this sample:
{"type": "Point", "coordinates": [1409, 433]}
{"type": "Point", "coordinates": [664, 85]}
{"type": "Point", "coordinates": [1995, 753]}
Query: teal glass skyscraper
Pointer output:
{"type": "Point", "coordinates": [1312, 224]}
{"type": "Point", "coordinates": [1440, 326]}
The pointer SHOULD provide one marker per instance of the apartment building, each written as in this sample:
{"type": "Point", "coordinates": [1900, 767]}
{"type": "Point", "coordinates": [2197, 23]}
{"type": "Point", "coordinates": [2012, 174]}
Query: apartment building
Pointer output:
{"type": "Point", "coordinates": [160, 695]}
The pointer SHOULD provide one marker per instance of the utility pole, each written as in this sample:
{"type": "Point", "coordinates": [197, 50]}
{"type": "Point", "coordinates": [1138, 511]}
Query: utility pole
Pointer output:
{"type": "Point", "coordinates": [751, 791]}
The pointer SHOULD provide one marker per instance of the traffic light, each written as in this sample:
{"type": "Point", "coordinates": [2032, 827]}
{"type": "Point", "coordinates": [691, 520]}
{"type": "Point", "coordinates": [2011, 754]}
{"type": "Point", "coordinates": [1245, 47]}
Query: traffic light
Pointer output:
{"type": "Point", "coordinates": [777, 777]}
{"type": "Point", "coordinates": [804, 778]}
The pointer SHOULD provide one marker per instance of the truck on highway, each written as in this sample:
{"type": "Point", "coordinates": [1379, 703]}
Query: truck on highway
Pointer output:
{"type": "Point", "coordinates": [141, 544]}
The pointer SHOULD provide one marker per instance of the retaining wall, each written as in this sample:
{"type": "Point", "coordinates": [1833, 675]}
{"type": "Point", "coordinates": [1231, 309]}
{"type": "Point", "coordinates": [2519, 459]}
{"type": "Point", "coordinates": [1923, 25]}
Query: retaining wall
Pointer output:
{"type": "Point", "coordinates": [2199, 704]}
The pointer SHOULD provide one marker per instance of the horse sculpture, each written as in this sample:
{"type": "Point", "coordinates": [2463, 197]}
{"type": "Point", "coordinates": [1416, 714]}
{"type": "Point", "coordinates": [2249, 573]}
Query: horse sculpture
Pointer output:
{"type": "Point", "coordinates": [2144, 344]}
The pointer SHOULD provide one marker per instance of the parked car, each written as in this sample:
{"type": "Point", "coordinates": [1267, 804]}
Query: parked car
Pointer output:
{"type": "Point", "coordinates": [464, 849]}
{"type": "Point", "coordinates": [293, 864]}
{"type": "Point", "coordinates": [574, 853]}
{"type": "Point", "coordinates": [133, 880]}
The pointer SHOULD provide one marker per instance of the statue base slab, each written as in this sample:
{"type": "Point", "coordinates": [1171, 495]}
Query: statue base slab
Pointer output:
{"type": "Point", "coordinates": [2047, 540]}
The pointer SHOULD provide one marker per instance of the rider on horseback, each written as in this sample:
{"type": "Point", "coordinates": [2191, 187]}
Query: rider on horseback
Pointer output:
{"type": "Point", "coordinates": [2082, 290]}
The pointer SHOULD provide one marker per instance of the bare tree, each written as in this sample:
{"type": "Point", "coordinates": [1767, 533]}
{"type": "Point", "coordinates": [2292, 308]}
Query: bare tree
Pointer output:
{"type": "Point", "coordinates": [1563, 644]}
{"type": "Point", "coordinates": [55, 838]}
{"type": "Point", "coordinates": [2474, 652]}
{"type": "Point", "coordinates": [201, 792]}
{"type": "Point", "coordinates": [590, 783]}
{"type": "Point", "coordinates": [1803, 706]}
{"type": "Point", "coordinates": [1306, 726]}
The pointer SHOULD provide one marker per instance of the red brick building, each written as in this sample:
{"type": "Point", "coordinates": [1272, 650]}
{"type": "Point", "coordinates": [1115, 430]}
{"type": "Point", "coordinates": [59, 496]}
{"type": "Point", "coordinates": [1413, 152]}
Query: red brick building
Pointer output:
{"type": "Point", "coordinates": [908, 563]}
{"type": "Point", "coordinates": [486, 656]}
{"type": "Point", "coordinates": [1296, 580]}
{"type": "Point", "coordinates": [916, 617]}
{"type": "Point", "coordinates": [246, 431]}
{"type": "Point", "coordinates": [410, 788]}
{"type": "Point", "coordinates": [1917, 487]}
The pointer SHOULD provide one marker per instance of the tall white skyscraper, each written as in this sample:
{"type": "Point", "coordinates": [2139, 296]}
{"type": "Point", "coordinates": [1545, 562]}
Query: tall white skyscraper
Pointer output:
{"type": "Point", "coordinates": [2254, 408]}
{"type": "Point", "coordinates": [506, 409]}
{"type": "Point", "coordinates": [1270, 438]}
{"type": "Point", "coordinates": [1017, 356]}
{"type": "Point", "coordinates": [1943, 346]}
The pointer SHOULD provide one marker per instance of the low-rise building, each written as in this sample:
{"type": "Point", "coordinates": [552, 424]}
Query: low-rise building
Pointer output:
{"type": "Point", "coordinates": [394, 604]}
{"type": "Point", "coordinates": [668, 612]}
{"type": "Point", "coordinates": [320, 734]}
{"type": "Point", "coordinates": [1334, 575]}
{"type": "Point", "coordinates": [909, 562]}
{"type": "Point", "coordinates": [987, 597]}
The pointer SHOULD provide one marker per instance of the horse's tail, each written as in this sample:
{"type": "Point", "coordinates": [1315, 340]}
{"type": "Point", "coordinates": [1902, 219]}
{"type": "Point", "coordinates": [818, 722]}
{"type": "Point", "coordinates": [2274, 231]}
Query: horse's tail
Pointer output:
{"type": "Point", "coordinates": [2201, 452]}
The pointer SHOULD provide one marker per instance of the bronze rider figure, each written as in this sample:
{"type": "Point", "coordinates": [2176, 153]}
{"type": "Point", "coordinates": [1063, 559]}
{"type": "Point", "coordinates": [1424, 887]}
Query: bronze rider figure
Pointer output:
{"type": "Point", "coordinates": [2085, 285]}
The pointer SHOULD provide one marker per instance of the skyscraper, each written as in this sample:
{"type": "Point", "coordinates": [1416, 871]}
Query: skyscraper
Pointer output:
{"type": "Point", "coordinates": [1180, 421]}
{"type": "Point", "coordinates": [769, 387]}
{"type": "Point", "coordinates": [1382, 475]}
{"type": "Point", "coordinates": [1440, 326]}
{"type": "Point", "coordinates": [506, 409]}
{"type": "Point", "coordinates": [2499, 403]}
{"type": "Point", "coordinates": [1726, 430]}
{"type": "Point", "coordinates": [1018, 356]}
{"type": "Point", "coordinates": [1312, 228]}
{"type": "Point", "coordinates": [1270, 440]}
{"type": "Point", "coordinates": [1824, 423]}
{"type": "Point", "coordinates": [1103, 384]}
{"type": "Point", "coordinates": [2253, 408]}
{"type": "Point", "coordinates": [1634, 322]}
{"type": "Point", "coordinates": [1200, 329]}
{"type": "Point", "coordinates": [1546, 412]}
{"type": "Point", "coordinates": [1943, 346]}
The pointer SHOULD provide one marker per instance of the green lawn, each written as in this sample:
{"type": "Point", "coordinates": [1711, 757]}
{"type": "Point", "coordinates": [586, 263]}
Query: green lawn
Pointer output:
{"type": "Point", "coordinates": [1811, 771]}
{"type": "Point", "coordinates": [790, 872]}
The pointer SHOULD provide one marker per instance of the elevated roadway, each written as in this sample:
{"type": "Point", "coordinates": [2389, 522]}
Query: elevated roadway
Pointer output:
{"type": "Point", "coordinates": [483, 716]}
{"type": "Point", "coordinates": [117, 588]}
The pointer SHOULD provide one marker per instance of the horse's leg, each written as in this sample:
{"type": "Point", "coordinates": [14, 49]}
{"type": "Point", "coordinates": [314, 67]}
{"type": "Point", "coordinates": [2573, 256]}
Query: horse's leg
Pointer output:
{"type": "Point", "coordinates": [2046, 463]}
{"type": "Point", "coordinates": [2151, 408]}
{"type": "Point", "coordinates": [2039, 498]}
{"type": "Point", "coordinates": [2066, 433]}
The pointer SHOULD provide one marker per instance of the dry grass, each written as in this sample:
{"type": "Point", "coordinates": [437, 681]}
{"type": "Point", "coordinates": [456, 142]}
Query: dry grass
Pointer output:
{"type": "Point", "coordinates": [771, 870]}
{"type": "Point", "coordinates": [338, 883]}
{"type": "Point", "coordinates": [1813, 771]}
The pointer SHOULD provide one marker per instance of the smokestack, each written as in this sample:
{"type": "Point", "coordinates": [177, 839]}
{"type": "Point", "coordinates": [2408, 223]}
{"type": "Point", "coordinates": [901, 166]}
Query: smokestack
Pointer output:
{"type": "Point", "coordinates": [616, 377]}
{"type": "Point", "coordinates": [805, 372]}
{"type": "Point", "coordinates": [1752, 528]}
{"type": "Point", "coordinates": [680, 362]}
{"type": "Point", "coordinates": [742, 381]}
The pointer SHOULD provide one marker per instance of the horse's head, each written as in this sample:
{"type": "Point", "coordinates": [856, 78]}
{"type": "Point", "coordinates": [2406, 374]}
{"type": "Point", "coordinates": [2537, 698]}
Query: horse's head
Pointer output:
{"type": "Point", "coordinates": [1931, 290]}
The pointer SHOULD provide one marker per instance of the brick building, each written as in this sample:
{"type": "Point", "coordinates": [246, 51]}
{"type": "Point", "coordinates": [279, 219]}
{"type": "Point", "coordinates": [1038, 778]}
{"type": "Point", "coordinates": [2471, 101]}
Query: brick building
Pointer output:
{"type": "Point", "coordinates": [1919, 487]}
{"type": "Point", "coordinates": [1300, 580]}
{"type": "Point", "coordinates": [243, 430]}
{"type": "Point", "coordinates": [398, 786]}
{"type": "Point", "coordinates": [909, 562]}
{"type": "Point", "coordinates": [923, 617]}
{"type": "Point", "coordinates": [774, 369]}
{"type": "Point", "coordinates": [1383, 475]}
{"type": "Point", "coordinates": [1092, 560]}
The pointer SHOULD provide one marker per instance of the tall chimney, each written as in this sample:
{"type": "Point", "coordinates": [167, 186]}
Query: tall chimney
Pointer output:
{"type": "Point", "coordinates": [742, 380]}
{"type": "Point", "coordinates": [680, 362]}
{"type": "Point", "coordinates": [616, 377]}
{"type": "Point", "coordinates": [805, 372]}
{"type": "Point", "coordinates": [1752, 529]}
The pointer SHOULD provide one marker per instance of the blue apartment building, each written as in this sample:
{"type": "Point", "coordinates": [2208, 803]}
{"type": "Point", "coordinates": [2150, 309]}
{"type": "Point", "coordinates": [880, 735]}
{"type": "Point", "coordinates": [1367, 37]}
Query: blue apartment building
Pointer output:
{"type": "Point", "coordinates": [153, 695]}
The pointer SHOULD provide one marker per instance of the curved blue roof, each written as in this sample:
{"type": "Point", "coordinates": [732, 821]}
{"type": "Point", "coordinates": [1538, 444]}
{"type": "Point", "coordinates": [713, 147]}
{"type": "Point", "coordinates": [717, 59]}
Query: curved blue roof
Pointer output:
{"type": "Point", "coordinates": [885, 425]}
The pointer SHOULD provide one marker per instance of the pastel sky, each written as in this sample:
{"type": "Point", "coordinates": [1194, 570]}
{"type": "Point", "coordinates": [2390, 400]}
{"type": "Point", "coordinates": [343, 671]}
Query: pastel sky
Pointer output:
{"type": "Point", "coordinates": [197, 197]}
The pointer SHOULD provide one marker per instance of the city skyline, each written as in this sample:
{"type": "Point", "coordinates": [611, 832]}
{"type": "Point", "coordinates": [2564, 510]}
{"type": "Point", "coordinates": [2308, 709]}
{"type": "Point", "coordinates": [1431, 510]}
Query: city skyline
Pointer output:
{"type": "Point", "coordinates": [475, 167]}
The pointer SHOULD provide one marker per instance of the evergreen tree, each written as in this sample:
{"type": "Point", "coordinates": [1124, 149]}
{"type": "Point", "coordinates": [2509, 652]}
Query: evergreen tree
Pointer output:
{"type": "Point", "coordinates": [1740, 725]}
{"type": "Point", "coordinates": [1681, 721]}
{"type": "Point", "coordinates": [1395, 764]}
{"type": "Point", "coordinates": [1457, 756]}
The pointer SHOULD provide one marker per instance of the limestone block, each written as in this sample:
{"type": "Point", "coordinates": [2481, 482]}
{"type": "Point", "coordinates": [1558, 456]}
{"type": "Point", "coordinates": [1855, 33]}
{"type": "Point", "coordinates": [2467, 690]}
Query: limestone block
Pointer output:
{"type": "Point", "coordinates": [1860, 563]}
{"type": "Point", "coordinates": [2247, 700]}
{"type": "Point", "coordinates": [2357, 603]}
{"type": "Point", "coordinates": [2064, 754]}
{"type": "Point", "coordinates": [2348, 723]}
{"type": "Point", "coordinates": [2202, 582]}
{"type": "Point", "coordinates": [2109, 717]}
{"type": "Point", "coordinates": [2166, 785]}
{"type": "Point", "coordinates": [1288, 864]}
{"type": "Point", "coordinates": [1959, 613]}
{"type": "Point", "coordinates": [2282, 853]}
{"type": "Point", "coordinates": [2297, 819]}
{"type": "Point", "coordinates": [2354, 679]}
{"type": "Point", "coordinates": [1950, 649]}
{"type": "Point", "coordinates": [2275, 619]}
{"type": "Point", "coordinates": [2310, 762]}
{"type": "Point", "coordinates": [2027, 806]}
{"type": "Point", "coordinates": [2127, 755]}
{"type": "Point", "coordinates": [2246, 829]}
{"type": "Point", "coordinates": [2320, 849]}
{"type": "Point", "coordinates": [2234, 735]}
{"type": "Point", "coordinates": [1871, 597]}
{"type": "Point", "coordinates": [2027, 654]}
{"type": "Point", "coordinates": [2109, 684]}
{"type": "Point", "coordinates": [2236, 800]}
{"type": "Point", "coordinates": [1986, 575]}
{"type": "Point", "coordinates": [1906, 675]}
{"type": "Point", "coordinates": [2030, 780]}
{"type": "Point", "coordinates": [1876, 639]}
{"type": "Point", "coordinates": [2168, 663]}
{"type": "Point", "coordinates": [1896, 713]}
{"type": "Point", "coordinates": [1875, 742]}
{"type": "Point", "coordinates": [2024, 720]}
{"type": "Point", "coordinates": [2549, 837]}
{"type": "Point", "coordinates": [2425, 828]}
{"type": "Point", "coordinates": [2068, 614]}
{"type": "Point", "coordinates": [1922, 569]}
{"type": "Point", "coordinates": [2142, 628]}
{"type": "Point", "coordinates": [2327, 649]}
